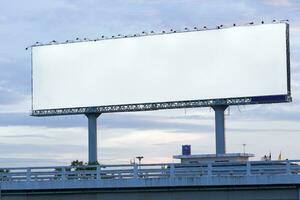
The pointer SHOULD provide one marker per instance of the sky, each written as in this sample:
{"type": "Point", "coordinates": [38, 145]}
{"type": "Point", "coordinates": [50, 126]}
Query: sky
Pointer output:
{"type": "Point", "coordinates": [157, 135]}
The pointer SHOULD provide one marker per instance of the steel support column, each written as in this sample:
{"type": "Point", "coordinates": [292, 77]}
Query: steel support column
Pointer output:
{"type": "Point", "coordinates": [92, 137]}
{"type": "Point", "coordinates": [220, 129]}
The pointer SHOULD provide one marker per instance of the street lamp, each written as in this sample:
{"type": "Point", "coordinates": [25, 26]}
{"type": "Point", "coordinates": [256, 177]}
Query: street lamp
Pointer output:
{"type": "Point", "coordinates": [244, 148]}
{"type": "Point", "coordinates": [140, 159]}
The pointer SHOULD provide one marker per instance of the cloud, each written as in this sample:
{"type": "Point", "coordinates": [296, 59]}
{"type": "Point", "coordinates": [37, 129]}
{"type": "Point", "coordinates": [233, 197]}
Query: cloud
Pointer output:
{"type": "Point", "coordinates": [107, 121]}
{"type": "Point", "coordinates": [28, 149]}
{"type": "Point", "coordinates": [25, 136]}
{"type": "Point", "coordinates": [252, 130]}
{"type": "Point", "coordinates": [295, 30]}
{"type": "Point", "coordinates": [31, 141]}
{"type": "Point", "coordinates": [63, 145]}
{"type": "Point", "coordinates": [278, 2]}
{"type": "Point", "coordinates": [24, 119]}
{"type": "Point", "coordinates": [30, 162]}
{"type": "Point", "coordinates": [25, 155]}
{"type": "Point", "coordinates": [9, 96]}
{"type": "Point", "coordinates": [4, 60]}
{"type": "Point", "coordinates": [141, 138]}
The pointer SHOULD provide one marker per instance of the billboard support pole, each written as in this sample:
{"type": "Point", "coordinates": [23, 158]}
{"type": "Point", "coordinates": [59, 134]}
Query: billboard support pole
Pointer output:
{"type": "Point", "coordinates": [92, 137]}
{"type": "Point", "coordinates": [220, 129]}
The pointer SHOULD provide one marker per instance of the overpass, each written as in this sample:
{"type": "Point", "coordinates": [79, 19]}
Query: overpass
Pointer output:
{"type": "Point", "coordinates": [260, 180]}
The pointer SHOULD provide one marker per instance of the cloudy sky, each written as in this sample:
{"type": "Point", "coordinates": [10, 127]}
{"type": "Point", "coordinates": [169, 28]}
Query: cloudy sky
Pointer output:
{"type": "Point", "coordinates": [30, 141]}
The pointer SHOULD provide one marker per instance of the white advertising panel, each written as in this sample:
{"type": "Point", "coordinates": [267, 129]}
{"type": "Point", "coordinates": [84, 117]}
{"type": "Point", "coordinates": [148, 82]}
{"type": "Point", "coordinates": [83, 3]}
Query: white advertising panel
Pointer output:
{"type": "Point", "coordinates": [244, 61]}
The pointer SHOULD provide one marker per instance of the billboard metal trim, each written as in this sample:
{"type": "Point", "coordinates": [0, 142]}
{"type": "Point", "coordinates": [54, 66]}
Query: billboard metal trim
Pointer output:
{"type": "Point", "coordinates": [288, 63]}
{"type": "Point", "coordinates": [162, 105]}
{"type": "Point", "coordinates": [152, 33]}
{"type": "Point", "coordinates": [31, 80]}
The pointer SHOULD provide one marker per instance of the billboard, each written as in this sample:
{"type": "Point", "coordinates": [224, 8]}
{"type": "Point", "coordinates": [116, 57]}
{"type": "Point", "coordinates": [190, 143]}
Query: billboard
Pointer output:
{"type": "Point", "coordinates": [228, 66]}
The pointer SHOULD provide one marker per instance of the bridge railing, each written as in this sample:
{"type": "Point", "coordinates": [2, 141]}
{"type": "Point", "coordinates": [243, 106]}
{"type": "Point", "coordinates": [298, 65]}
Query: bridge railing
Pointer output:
{"type": "Point", "coordinates": [147, 171]}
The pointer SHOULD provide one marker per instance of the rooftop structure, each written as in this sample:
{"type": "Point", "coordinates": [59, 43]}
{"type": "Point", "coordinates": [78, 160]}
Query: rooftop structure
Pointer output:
{"type": "Point", "coordinates": [214, 158]}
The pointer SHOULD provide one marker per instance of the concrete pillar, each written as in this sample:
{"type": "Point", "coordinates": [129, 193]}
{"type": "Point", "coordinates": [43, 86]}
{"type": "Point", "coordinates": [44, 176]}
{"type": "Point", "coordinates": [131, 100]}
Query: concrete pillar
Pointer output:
{"type": "Point", "coordinates": [92, 137]}
{"type": "Point", "coordinates": [220, 129]}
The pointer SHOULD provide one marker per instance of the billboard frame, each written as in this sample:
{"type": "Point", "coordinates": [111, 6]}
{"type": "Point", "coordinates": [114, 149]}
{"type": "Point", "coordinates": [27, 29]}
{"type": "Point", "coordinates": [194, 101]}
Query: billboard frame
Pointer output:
{"type": "Point", "coordinates": [164, 105]}
{"type": "Point", "coordinates": [282, 98]}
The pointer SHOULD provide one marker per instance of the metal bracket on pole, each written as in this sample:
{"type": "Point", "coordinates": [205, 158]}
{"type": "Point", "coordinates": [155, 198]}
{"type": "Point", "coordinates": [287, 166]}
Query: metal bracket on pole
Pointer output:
{"type": "Point", "coordinates": [92, 137]}
{"type": "Point", "coordinates": [220, 129]}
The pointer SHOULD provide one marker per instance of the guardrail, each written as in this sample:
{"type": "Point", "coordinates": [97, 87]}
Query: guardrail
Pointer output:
{"type": "Point", "coordinates": [147, 171]}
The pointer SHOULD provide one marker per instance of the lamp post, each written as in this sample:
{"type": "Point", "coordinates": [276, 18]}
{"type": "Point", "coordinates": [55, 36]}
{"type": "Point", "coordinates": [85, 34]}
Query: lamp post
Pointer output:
{"type": "Point", "coordinates": [244, 148]}
{"type": "Point", "coordinates": [140, 159]}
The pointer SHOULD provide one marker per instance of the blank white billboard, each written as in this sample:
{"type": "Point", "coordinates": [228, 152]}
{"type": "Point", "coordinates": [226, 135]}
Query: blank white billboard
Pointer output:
{"type": "Point", "coordinates": [244, 61]}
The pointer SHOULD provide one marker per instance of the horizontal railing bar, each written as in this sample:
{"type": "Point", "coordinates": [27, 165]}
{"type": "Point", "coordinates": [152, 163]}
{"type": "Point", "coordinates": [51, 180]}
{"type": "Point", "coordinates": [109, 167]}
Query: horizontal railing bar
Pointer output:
{"type": "Point", "coordinates": [144, 165]}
